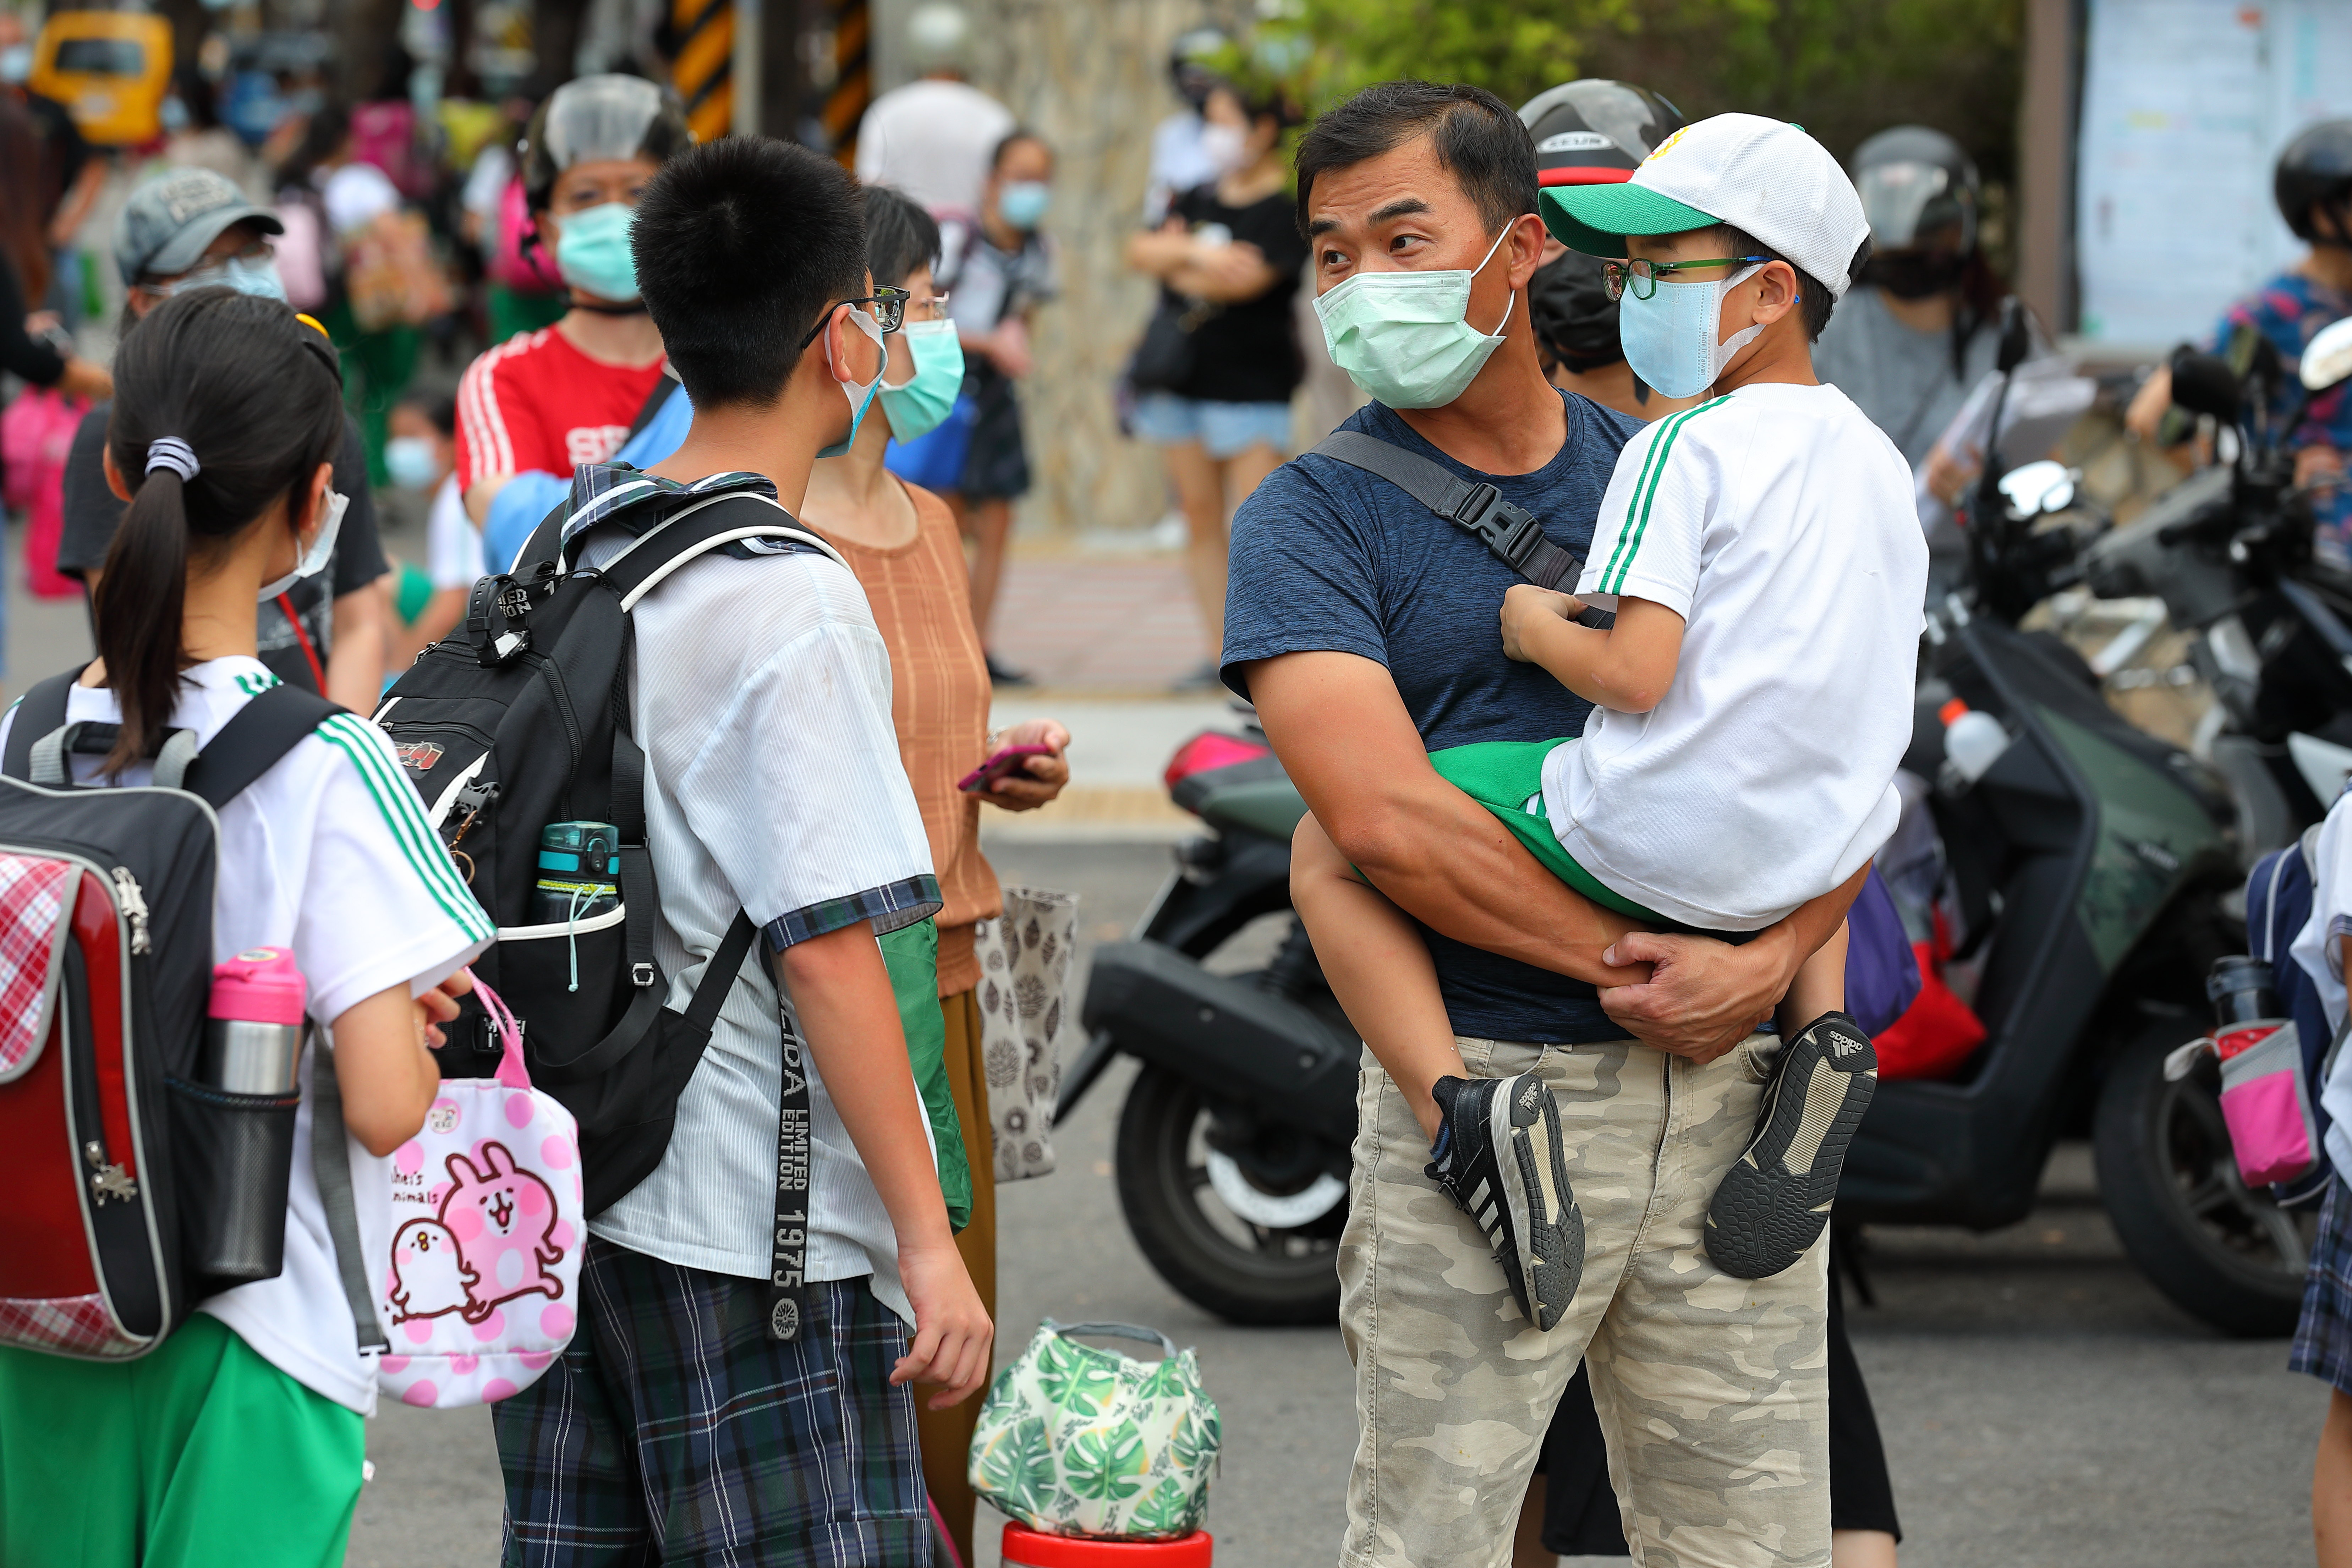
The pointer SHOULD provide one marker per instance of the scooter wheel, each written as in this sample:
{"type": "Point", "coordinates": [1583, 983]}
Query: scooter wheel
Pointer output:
{"type": "Point", "coordinates": [2221, 1250]}
{"type": "Point", "coordinates": [1243, 1272]}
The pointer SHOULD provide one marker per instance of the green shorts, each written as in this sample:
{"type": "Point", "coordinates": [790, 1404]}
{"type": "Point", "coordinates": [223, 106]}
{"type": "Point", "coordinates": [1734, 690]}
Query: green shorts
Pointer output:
{"type": "Point", "coordinates": [200, 1455]}
{"type": "Point", "coordinates": [1506, 777]}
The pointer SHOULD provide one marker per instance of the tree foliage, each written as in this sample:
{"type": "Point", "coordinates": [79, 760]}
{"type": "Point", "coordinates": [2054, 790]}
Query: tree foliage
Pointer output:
{"type": "Point", "coordinates": [1844, 69]}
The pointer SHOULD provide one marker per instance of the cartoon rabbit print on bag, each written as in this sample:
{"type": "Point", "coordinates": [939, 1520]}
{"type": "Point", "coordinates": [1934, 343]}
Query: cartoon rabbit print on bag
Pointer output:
{"type": "Point", "coordinates": [428, 1276]}
{"type": "Point", "coordinates": [504, 1220]}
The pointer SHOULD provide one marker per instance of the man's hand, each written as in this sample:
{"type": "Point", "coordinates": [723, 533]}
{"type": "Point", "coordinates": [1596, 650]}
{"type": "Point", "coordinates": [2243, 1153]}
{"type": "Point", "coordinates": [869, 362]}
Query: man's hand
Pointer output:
{"type": "Point", "coordinates": [1703, 996]}
{"type": "Point", "coordinates": [1525, 605]}
{"type": "Point", "coordinates": [953, 1334]}
{"type": "Point", "coordinates": [2318, 469]}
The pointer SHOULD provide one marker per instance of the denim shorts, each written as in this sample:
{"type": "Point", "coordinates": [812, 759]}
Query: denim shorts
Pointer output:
{"type": "Point", "coordinates": [1226, 429]}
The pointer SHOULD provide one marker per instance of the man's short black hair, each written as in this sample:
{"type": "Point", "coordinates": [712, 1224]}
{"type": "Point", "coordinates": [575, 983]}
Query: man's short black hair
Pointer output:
{"type": "Point", "coordinates": [900, 237]}
{"type": "Point", "coordinates": [741, 244]}
{"type": "Point", "coordinates": [1813, 301]}
{"type": "Point", "coordinates": [1012, 139]}
{"type": "Point", "coordinates": [1476, 137]}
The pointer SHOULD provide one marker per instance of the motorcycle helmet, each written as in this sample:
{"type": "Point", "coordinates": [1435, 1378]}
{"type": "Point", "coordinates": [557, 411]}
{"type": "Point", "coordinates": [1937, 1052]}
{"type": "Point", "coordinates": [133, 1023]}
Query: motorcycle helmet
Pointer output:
{"type": "Point", "coordinates": [1913, 181]}
{"type": "Point", "coordinates": [1594, 131]}
{"type": "Point", "coordinates": [2315, 171]}
{"type": "Point", "coordinates": [599, 117]}
{"type": "Point", "coordinates": [1189, 71]}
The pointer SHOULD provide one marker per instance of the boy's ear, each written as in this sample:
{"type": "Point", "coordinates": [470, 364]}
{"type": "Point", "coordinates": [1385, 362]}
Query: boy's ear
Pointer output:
{"type": "Point", "coordinates": [1777, 291]}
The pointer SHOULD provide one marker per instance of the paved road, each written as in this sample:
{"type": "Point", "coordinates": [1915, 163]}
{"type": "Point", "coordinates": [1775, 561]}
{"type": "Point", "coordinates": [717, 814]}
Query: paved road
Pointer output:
{"type": "Point", "coordinates": [2042, 1404]}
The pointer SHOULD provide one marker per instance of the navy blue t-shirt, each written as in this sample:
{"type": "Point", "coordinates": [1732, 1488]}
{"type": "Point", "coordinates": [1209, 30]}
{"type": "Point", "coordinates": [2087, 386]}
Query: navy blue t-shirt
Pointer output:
{"type": "Point", "coordinates": [1328, 558]}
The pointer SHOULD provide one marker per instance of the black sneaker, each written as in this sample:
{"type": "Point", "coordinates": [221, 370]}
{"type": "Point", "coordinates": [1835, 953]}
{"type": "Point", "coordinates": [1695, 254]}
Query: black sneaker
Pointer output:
{"type": "Point", "coordinates": [1777, 1196]}
{"type": "Point", "coordinates": [1002, 674]}
{"type": "Point", "coordinates": [1498, 1156]}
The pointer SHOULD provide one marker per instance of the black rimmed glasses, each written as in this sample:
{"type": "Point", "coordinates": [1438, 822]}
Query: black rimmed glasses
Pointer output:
{"type": "Point", "coordinates": [889, 311]}
{"type": "Point", "coordinates": [1642, 275]}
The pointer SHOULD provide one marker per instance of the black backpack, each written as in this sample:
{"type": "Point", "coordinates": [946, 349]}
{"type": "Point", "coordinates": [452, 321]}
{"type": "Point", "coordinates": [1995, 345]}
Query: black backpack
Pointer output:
{"type": "Point", "coordinates": [520, 718]}
{"type": "Point", "coordinates": [135, 1190]}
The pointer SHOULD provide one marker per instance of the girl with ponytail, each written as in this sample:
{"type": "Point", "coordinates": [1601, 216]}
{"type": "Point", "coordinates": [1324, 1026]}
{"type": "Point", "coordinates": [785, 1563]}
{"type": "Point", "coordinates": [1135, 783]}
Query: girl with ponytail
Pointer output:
{"type": "Point", "coordinates": [227, 415]}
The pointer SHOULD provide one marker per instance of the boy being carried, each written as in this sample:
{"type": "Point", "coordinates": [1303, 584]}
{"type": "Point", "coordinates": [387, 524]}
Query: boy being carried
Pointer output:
{"type": "Point", "coordinates": [1753, 696]}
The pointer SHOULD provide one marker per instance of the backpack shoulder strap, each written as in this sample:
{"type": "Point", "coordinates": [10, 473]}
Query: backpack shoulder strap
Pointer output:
{"type": "Point", "coordinates": [1512, 533]}
{"type": "Point", "coordinates": [41, 711]}
{"type": "Point", "coordinates": [249, 745]}
{"type": "Point", "coordinates": [665, 386]}
{"type": "Point", "coordinates": [697, 531]}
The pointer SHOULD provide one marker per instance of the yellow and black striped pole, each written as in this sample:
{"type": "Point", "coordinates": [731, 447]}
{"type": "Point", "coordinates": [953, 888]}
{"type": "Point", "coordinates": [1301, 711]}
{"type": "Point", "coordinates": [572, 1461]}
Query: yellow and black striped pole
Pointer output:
{"type": "Point", "coordinates": [853, 80]}
{"type": "Point", "coordinates": [701, 72]}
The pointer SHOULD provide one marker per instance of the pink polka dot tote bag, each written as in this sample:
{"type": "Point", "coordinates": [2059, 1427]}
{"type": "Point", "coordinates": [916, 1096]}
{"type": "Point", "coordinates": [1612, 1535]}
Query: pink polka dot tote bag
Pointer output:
{"type": "Point", "coordinates": [481, 1290]}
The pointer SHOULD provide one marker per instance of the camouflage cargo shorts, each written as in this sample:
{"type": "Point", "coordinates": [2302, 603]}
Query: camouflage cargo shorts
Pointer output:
{"type": "Point", "coordinates": [1714, 1391]}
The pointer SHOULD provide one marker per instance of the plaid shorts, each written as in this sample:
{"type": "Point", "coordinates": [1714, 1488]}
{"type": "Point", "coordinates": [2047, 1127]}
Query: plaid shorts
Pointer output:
{"type": "Point", "coordinates": [2323, 1337]}
{"type": "Point", "coordinates": [673, 1430]}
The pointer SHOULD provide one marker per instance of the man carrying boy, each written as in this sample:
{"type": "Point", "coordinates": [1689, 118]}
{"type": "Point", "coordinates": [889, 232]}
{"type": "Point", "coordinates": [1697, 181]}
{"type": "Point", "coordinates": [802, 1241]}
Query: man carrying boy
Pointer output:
{"type": "Point", "coordinates": [1363, 626]}
{"type": "Point", "coordinates": [675, 1426]}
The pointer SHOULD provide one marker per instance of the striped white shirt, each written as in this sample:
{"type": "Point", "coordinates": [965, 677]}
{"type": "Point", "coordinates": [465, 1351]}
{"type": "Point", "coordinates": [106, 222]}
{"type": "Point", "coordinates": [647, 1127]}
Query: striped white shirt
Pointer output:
{"type": "Point", "coordinates": [761, 691]}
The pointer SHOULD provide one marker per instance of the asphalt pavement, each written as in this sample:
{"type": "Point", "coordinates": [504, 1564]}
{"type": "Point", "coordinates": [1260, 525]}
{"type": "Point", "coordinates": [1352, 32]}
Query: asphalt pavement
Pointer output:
{"type": "Point", "coordinates": [2040, 1403]}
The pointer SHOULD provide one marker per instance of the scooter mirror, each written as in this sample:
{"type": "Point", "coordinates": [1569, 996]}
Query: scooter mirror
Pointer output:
{"type": "Point", "coordinates": [2204, 384]}
{"type": "Point", "coordinates": [2328, 358]}
{"type": "Point", "coordinates": [2016, 335]}
{"type": "Point", "coordinates": [2037, 487]}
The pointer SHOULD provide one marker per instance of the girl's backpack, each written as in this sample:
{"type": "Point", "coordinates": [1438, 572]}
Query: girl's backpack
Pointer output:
{"type": "Point", "coordinates": [116, 1154]}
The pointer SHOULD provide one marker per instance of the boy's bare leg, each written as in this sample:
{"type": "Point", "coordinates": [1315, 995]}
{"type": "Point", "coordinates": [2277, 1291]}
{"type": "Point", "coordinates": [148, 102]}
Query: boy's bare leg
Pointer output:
{"type": "Point", "coordinates": [1378, 968]}
{"type": "Point", "coordinates": [1495, 1144]}
{"type": "Point", "coordinates": [1818, 988]}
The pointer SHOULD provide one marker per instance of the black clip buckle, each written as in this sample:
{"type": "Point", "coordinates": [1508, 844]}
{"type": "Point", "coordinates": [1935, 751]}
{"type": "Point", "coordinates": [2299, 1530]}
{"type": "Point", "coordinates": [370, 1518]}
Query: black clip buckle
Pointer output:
{"type": "Point", "coordinates": [1471, 511]}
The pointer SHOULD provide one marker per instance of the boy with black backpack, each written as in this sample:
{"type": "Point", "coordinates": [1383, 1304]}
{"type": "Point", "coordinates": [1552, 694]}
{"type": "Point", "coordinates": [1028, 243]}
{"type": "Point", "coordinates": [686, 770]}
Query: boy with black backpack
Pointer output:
{"type": "Point", "coordinates": [737, 1384]}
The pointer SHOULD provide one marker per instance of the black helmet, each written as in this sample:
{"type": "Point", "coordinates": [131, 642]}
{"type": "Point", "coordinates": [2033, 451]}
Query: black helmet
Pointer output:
{"type": "Point", "coordinates": [1192, 63]}
{"type": "Point", "coordinates": [1913, 181]}
{"type": "Point", "coordinates": [1594, 131]}
{"type": "Point", "coordinates": [1574, 318]}
{"type": "Point", "coordinates": [599, 117]}
{"type": "Point", "coordinates": [2315, 171]}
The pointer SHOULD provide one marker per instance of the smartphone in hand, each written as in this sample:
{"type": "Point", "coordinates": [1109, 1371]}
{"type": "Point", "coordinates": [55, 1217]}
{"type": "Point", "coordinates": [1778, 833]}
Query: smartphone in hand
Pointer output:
{"type": "Point", "coordinates": [1010, 762]}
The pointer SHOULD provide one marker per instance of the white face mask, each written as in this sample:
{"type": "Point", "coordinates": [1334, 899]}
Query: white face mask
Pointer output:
{"type": "Point", "coordinates": [860, 394]}
{"type": "Point", "coordinates": [322, 548]}
{"type": "Point", "coordinates": [1401, 337]}
{"type": "Point", "coordinates": [1225, 148]}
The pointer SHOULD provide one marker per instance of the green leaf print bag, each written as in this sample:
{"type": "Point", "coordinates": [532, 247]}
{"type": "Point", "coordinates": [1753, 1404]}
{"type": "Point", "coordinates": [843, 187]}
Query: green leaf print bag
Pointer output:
{"type": "Point", "coordinates": [1074, 1440]}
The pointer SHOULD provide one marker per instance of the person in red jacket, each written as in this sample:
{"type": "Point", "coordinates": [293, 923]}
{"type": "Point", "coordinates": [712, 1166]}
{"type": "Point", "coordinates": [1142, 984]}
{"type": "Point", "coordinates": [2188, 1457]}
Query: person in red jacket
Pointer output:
{"type": "Point", "coordinates": [551, 400]}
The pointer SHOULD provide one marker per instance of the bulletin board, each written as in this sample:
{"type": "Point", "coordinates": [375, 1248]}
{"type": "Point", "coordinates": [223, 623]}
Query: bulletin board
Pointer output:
{"type": "Point", "coordinates": [2185, 106]}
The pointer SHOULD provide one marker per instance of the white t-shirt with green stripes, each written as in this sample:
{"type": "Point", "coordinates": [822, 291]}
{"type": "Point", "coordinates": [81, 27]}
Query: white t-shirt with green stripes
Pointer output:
{"type": "Point", "coordinates": [1779, 522]}
{"type": "Point", "coordinates": [328, 855]}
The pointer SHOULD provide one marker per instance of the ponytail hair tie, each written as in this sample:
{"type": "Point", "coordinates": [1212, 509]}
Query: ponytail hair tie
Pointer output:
{"type": "Point", "coordinates": [170, 452]}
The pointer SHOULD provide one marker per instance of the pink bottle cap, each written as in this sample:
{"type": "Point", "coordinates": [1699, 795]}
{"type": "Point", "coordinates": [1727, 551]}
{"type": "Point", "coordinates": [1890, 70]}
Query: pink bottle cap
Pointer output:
{"type": "Point", "coordinates": [259, 985]}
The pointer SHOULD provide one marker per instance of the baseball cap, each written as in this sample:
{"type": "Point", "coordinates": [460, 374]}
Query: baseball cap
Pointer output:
{"type": "Point", "coordinates": [167, 222]}
{"type": "Point", "coordinates": [1765, 176]}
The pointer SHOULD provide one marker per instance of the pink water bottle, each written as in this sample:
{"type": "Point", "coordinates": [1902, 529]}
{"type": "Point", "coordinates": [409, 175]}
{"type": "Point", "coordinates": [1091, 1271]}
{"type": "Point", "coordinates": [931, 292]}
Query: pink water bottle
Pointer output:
{"type": "Point", "coordinates": [237, 1119]}
{"type": "Point", "coordinates": [253, 1030]}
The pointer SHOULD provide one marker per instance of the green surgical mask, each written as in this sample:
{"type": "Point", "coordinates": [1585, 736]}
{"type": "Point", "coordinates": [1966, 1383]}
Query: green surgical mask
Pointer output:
{"type": "Point", "coordinates": [920, 405]}
{"type": "Point", "coordinates": [591, 251]}
{"type": "Point", "coordinates": [1401, 337]}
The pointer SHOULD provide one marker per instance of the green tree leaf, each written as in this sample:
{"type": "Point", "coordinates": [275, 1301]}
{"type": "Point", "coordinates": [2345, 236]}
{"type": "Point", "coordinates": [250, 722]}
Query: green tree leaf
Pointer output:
{"type": "Point", "coordinates": [1075, 1382]}
{"type": "Point", "coordinates": [1169, 1511]}
{"type": "Point", "coordinates": [1017, 1467]}
{"type": "Point", "coordinates": [1105, 1462]}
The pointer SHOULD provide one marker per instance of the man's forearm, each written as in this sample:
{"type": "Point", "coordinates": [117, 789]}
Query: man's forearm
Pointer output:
{"type": "Point", "coordinates": [842, 992]}
{"type": "Point", "coordinates": [1342, 730]}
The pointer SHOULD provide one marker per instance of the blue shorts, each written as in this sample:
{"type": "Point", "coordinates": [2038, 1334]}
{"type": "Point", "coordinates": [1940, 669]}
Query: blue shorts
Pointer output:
{"type": "Point", "coordinates": [1226, 429]}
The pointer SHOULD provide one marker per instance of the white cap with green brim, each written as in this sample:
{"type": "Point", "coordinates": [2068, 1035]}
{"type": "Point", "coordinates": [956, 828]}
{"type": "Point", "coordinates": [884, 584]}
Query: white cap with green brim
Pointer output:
{"type": "Point", "coordinates": [1764, 176]}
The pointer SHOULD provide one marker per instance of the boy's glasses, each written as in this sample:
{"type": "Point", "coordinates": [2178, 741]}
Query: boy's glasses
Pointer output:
{"type": "Point", "coordinates": [934, 308]}
{"type": "Point", "coordinates": [1641, 276]}
{"type": "Point", "coordinates": [889, 311]}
